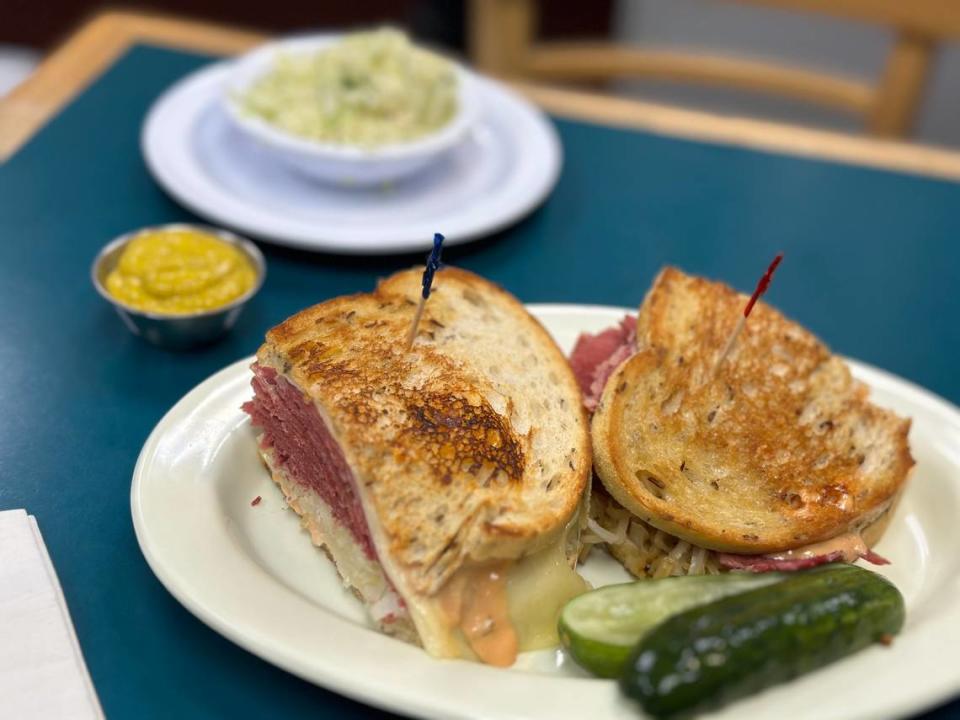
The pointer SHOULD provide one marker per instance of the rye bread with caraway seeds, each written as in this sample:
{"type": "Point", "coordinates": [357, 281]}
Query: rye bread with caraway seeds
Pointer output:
{"type": "Point", "coordinates": [468, 454]}
{"type": "Point", "coordinates": [775, 449]}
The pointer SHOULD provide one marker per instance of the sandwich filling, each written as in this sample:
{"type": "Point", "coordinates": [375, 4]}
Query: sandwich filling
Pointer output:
{"type": "Point", "coordinates": [595, 357]}
{"type": "Point", "coordinates": [645, 550]}
{"type": "Point", "coordinates": [316, 480]}
{"type": "Point", "coordinates": [303, 447]}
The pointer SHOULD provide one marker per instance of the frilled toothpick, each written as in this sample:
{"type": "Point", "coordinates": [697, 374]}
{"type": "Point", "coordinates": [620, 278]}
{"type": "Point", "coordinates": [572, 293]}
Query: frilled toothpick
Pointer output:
{"type": "Point", "coordinates": [761, 289]}
{"type": "Point", "coordinates": [433, 264]}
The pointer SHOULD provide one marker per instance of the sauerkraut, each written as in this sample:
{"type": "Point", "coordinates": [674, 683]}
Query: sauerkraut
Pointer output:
{"type": "Point", "coordinates": [644, 550]}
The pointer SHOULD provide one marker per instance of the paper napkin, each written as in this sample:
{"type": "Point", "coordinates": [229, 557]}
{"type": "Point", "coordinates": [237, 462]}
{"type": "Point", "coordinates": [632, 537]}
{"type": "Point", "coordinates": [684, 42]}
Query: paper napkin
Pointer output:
{"type": "Point", "coordinates": [42, 673]}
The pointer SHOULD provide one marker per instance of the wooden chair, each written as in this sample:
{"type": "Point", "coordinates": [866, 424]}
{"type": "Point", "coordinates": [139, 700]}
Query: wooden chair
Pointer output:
{"type": "Point", "coordinates": [502, 38]}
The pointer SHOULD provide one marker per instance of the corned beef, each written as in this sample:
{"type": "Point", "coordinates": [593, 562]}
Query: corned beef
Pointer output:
{"type": "Point", "coordinates": [303, 447]}
{"type": "Point", "coordinates": [765, 563]}
{"type": "Point", "coordinates": [595, 357]}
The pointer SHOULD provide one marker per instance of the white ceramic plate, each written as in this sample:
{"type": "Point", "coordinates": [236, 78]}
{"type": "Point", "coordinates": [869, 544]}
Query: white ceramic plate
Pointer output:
{"type": "Point", "coordinates": [252, 575]}
{"type": "Point", "coordinates": [504, 169]}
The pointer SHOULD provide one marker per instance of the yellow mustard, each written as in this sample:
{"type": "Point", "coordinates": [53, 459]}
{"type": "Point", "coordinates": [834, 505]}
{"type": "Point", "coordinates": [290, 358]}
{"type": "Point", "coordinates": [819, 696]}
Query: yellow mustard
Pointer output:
{"type": "Point", "coordinates": [179, 271]}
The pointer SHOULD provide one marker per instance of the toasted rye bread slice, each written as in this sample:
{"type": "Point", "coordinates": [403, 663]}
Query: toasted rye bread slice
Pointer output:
{"type": "Point", "coordinates": [472, 446]}
{"type": "Point", "coordinates": [778, 450]}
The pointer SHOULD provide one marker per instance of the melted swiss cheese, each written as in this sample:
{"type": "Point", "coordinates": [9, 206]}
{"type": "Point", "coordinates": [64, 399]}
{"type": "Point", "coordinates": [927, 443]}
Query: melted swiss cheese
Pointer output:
{"type": "Point", "coordinates": [498, 609]}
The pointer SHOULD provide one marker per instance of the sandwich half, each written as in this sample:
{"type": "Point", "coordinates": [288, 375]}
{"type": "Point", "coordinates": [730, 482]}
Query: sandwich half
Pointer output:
{"type": "Point", "coordinates": [773, 459]}
{"type": "Point", "coordinates": [448, 482]}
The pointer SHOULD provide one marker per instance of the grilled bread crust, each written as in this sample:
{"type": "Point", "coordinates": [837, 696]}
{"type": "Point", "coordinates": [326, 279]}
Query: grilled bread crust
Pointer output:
{"type": "Point", "coordinates": [472, 446]}
{"type": "Point", "coordinates": [779, 449]}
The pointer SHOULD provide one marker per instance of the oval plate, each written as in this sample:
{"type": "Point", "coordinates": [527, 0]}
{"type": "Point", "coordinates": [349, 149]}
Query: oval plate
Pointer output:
{"type": "Point", "coordinates": [251, 574]}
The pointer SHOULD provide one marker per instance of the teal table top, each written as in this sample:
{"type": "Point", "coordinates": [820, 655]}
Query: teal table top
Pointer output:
{"type": "Point", "coordinates": [872, 259]}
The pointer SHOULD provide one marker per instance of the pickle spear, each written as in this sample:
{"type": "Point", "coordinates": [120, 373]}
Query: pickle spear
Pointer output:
{"type": "Point", "coordinates": [710, 655]}
{"type": "Point", "coordinates": [601, 628]}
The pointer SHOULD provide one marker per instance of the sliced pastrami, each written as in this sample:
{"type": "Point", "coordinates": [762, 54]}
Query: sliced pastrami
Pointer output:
{"type": "Point", "coordinates": [303, 446]}
{"type": "Point", "coordinates": [595, 357]}
{"type": "Point", "coordinates": [763, 563]}
{"type": "Point", "coordinates": [871, 557]}
{"type": "Point", "coordinates": [767, 563]}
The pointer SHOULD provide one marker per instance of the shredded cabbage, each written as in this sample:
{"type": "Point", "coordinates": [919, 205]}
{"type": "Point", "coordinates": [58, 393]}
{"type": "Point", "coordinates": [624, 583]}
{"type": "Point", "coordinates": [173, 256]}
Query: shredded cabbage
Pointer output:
{"type": "Point", "coordinates": [644, 550]}
{"type": "Point", "coordinates": [371, 88]}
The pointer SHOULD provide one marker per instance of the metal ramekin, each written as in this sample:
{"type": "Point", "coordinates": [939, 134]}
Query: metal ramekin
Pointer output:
{"type": "Point", "coordinates": [181, 331]}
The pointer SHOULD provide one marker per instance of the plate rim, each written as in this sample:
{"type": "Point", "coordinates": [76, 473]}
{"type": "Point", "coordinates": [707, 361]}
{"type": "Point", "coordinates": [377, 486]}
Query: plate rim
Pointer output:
{"type": "Point", "coordinates": [162, 172]}
{"type": "Point", "coordinates": [411, 701]}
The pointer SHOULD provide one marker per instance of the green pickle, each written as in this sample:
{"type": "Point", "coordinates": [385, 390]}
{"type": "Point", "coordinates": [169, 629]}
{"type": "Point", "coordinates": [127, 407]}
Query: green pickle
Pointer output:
{"type": "Point", "coordinates": [710, 655]}
{"type": "Point", "coordinates": [600, 628]}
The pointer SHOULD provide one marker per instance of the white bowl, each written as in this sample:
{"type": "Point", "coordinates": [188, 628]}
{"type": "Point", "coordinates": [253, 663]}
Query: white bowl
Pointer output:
{"type": "Point", "coordinates": [336, 162]}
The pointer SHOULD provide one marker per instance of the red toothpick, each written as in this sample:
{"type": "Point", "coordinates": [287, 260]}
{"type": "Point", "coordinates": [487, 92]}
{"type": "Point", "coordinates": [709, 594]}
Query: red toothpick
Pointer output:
{"type": "Point", "coordinates": [761, 289]}
{"type": "Point", "coordinates": [762, 285]}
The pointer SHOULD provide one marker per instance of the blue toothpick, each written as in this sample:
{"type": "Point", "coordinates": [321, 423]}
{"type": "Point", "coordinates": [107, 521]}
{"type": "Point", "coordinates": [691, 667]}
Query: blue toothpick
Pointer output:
{"type": "Point", "coordinates": [433, 264]}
